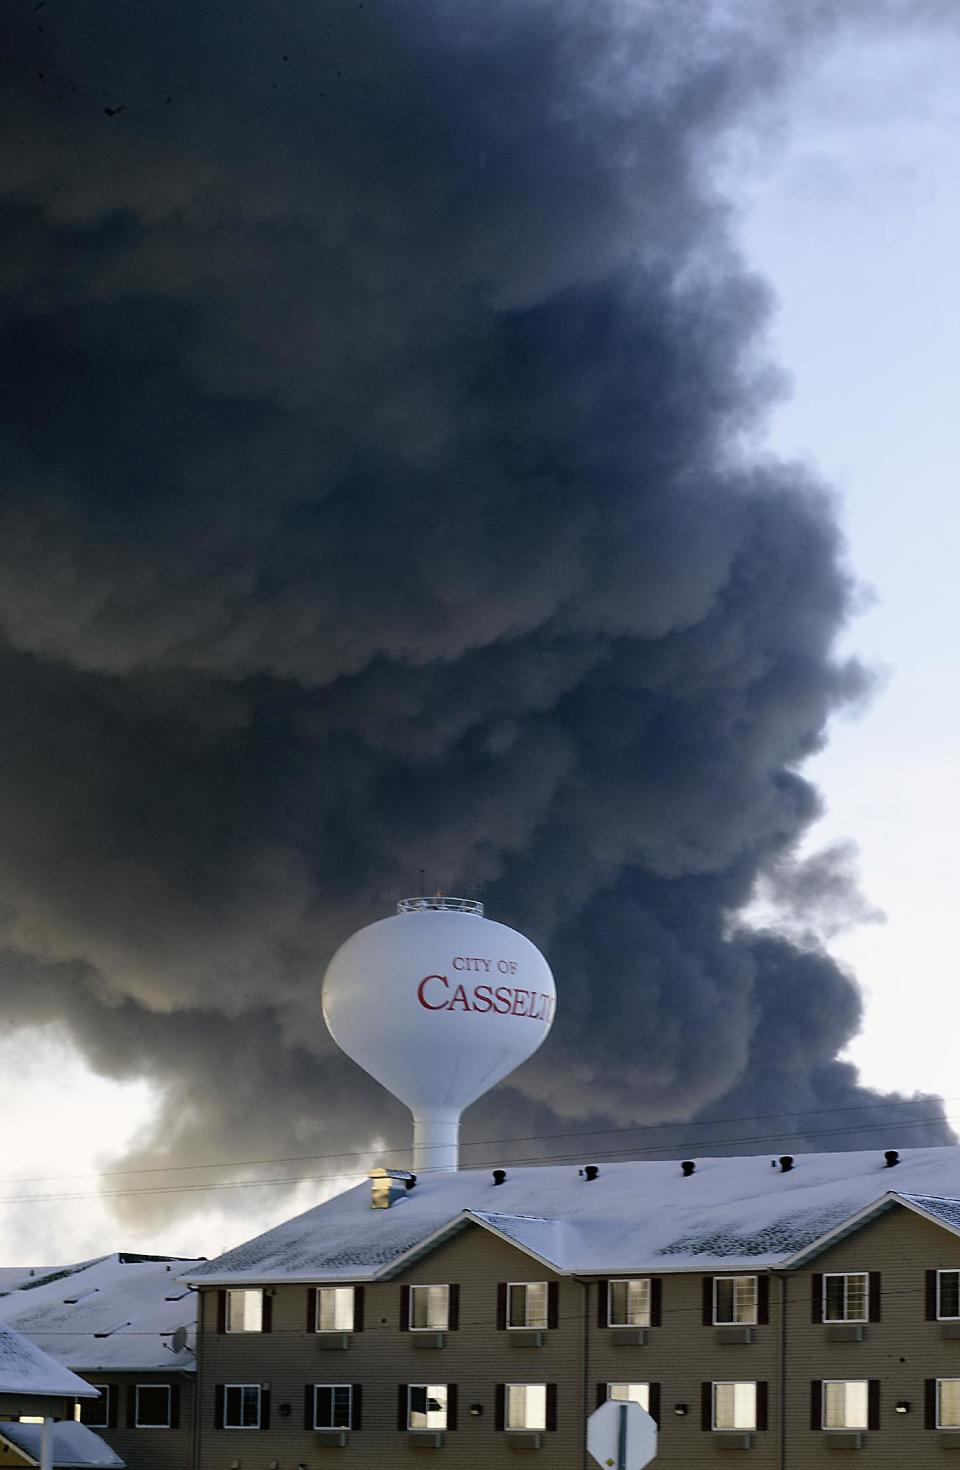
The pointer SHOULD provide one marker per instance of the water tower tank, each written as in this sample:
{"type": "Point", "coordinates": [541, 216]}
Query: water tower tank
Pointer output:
{"type": "Point", "coordinates": [438, 1004]}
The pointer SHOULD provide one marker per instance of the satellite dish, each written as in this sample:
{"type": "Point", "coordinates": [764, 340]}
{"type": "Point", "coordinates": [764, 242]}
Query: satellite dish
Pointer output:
{"type": "Point", "coordinates": [179, 1340]}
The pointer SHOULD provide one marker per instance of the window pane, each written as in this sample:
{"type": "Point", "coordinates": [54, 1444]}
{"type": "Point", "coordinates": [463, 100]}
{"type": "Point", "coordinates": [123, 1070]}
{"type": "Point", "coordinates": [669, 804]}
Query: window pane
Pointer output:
{"type": "Point", "coordinates": [636, 1393]}
{"type": "Point", "coordinates": [734, 1406]}
{"type": "Point", "coordinates": [429, 1307]}
{"type": "Point", "coordinates": [834, 1299]}
{"type": "Point", "coordinates": [745, 1298]}
{"type": "Point", "coordinates": [948, 1298]}
{"type": "Point", "coordinates": [335, 1309]}
{"type": "Point", "coordinates": [428, 1406]}
{"type": "Point", "coordinates": [241, 1406]}
{"type": "Point", "coordinates": [526, 1406]}
{"type": "Point", "coordinates": [845, 1405]}
{"type": "Point", "coordinates": [628, 1303]}
{"type": "Point", "coordinates": [96, 1412]}
{"type": "Point", "coordinates": [331, 1405]}
{"type": "Point", "coordinates": [948, 1403]}
{"type": "Point", "coordinates": [245, 1311]}
{"type": "Point", "coordinates": [153, 1406]}
{"type": "Point", "coordinates": [723, 1299]}
{"type": "Point", "coordinates": [723, 1406]}
{"type": "Point", "coordinates": [527, 1304]}
{"type": "Point", "coordinates": [857, 1298]}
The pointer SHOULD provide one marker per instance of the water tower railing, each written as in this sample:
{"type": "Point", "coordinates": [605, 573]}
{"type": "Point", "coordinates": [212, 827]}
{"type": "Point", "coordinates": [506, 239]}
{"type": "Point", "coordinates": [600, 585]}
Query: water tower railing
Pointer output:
{"type": "Point", "coordinates": [440, 902]}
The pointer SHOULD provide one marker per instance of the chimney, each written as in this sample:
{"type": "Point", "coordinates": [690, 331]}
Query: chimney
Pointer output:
{"type": "Point", "coordinates": [786, 1163]}
{"type": "Point", "coordinates": [499, 1175]}
{"type": "Point", "coordinates": [389, 1185]}
{"type": "Point", "coordinates": [687, 1168]}
{"type": "Point", "coordinates": [892, 1158]}
{"type": "Point", "coordinates": [589, 1172]}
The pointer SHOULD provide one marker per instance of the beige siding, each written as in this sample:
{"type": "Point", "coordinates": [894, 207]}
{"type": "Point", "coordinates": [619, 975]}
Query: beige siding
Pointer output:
{"type": "Point", "coordinates": [150, 1449]}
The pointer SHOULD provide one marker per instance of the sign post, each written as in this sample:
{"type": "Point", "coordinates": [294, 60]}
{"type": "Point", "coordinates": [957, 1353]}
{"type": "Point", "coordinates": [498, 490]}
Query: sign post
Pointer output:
{"type": "Point", "coordinates": [621, 1436]}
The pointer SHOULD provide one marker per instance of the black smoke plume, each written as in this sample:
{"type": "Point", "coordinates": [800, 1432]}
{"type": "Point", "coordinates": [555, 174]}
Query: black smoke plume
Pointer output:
{"type": "Point", "coordinates": [373, 497]}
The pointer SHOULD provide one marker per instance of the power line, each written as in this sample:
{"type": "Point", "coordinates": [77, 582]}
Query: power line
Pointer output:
{"type": "Point", "coordinates": [537, 1159]}
{"type": "Point", "coordinates": [404, 1145]}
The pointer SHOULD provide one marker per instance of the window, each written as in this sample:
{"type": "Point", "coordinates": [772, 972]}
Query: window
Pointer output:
{"type": "Point", "coordinates": [846, 1404]}
{"type": "Point", "coordinates": [427, 1406]}
{"type": "Point", "coordinates": [846, 1298]}
{"type": "Point", "coordinates": [335, 1309]}
{"type": "Point", "coordinates": [633, 1393]}
{"type": "Point", "coordinates": [948, 1295]}
{"type": "Point", "coordinates": [241, 1406]}
{"type": "Point", "coordinates": [734, 1406]}
{"type": "Point", "coordinates": [244, 1311]}
{"type": "Point", "coordinates": [429, 1308]}
{"type": "Point", "coordinates": [526, 1406]}
{"type": "Point", "coordinates": [948, 1402]}
{"type": "Point", "coordinates": [332, 1406]}
{"type": "Point", "coordinates": [152, 1408]}
{"type": "Point", "coordinates": [527, 1304]}
{"type": "Point", "coordinates": [628, 1303]}
{"type": "Point", "coordinates": [95, 1413]}
{"type": "Point", "coordinates": [734, 1300]}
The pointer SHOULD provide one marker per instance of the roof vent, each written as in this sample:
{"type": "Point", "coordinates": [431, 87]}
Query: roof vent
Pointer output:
{"type": "Point", "coordinates": [589, 1172]}
{"type": "Point", "coordinates": [499, 1175]}
{"type": "Point", "coordinates": [892, 1158]}
{"type": "Point", "coordinates": [687, 1168]}
{"type": "Point", "coordinates": [786, 1163]}
{"type": "Point", "coordinates": [385, 1186]}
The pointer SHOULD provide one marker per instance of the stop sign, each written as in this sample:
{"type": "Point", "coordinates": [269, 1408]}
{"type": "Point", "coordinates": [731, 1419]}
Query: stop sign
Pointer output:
{"type": "Point", "coordinates": [621, 1436]}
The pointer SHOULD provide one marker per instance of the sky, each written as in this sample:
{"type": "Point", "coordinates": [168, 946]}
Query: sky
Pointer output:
{"type": "Point", "coordinates": [196, 715]}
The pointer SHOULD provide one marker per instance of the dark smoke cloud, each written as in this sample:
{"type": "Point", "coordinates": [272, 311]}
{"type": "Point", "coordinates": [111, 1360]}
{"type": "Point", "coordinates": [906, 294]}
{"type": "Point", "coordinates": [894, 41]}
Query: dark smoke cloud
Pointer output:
{"type": "Point", "coordinates": [373, 498]}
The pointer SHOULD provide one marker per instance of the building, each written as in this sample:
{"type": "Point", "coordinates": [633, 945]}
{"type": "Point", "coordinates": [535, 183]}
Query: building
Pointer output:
{"type": "Point", "coordinates": [37, 1397]}
{"type": "Point", "coordinates": [781, 1309]}
{"type": "Point", "coordinates": [126, 1324]}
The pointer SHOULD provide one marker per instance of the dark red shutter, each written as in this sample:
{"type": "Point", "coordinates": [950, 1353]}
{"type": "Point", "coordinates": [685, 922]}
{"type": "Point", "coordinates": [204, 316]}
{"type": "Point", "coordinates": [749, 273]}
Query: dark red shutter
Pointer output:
{"type": "Point", "coordinates": [553, 1304]}
{"type": "Point", "coordinates": [601, 1394]}
{"type": "Point", "coordinates": [264, 1408]}
{"type": "Point", "coordinates": [930, 1296]}
{"type": "Point", "coordinates": [311, 1309]}
{"type": "Point", "coordinates": [653, 1390]}
{"type": "Point", "coordinates": [499, 1406]}
{"type": "Point", "coordinates": [501, 1305]}
{"type": "Point", "coordinates": [267, 1318]}
{"type": "Point", "coordinates": [816, 1297]}
{"type": "Point", "coordinates": [308, 1421]}
{"type": "Point", "coordinates": [174, 1406]}
{"type": "Point", "coordinates": [763, 1300]}
{"type": "Point", "coordinates": [762, 1405]}
{"type": "Point", "coordinates": [873, 1403]}
{"type": "Point", "coordinates": [551, 1406]}
{"type": "Point", "coordinates": [706, 1406]}
{"type": "Point", "coordinates": [451, 1406]}
{"type": "Point", "coordinates": [221, 1311]}
{"type": "Point", "coordinates": [401, 1406]}
{"type": "Point", "coordinates": [603, 1303]}
{"type": "Point", "coordinates": [219, 1394]}
{"type": "Point", "coordinates": [656, 1302]}
{"type": "Point", "coordinates": [816, 1403]}
{"type": "Point", "coordinates": [404, 1309]}
{"type": "Point", "coordinates": [131, 1405]}
{"type": "Point", "coordinates": [358, 1309]}
{"type": "Point", "coordinates": [930, 1403]}
{"type": "Point", "coordinates": [453, 1316]}
{"type": "Point", "coordinates": [356, 1406]}
{"type": "Point", "coordinates": [112, 1405]}
{"type": "Point", "coordinates": [708, 1301]}
{"type": "Point", "coordinates": [874, 1296]}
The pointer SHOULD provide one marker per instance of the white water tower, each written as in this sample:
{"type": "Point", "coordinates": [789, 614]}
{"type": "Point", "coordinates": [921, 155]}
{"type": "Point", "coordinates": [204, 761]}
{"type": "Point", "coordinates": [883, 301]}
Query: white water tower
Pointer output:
{"type": "Point", "coordinates": [438, 1004]}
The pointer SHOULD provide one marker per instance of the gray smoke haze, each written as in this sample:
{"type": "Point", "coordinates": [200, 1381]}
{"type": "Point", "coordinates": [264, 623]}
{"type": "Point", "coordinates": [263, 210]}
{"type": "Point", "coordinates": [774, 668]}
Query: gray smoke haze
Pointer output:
{"type": "Point", "coordinates": [373, 498]}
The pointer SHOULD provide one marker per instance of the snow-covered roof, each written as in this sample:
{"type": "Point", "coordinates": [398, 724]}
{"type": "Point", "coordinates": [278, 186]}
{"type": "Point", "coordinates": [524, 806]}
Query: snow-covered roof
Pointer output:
{"type": "Point", "coordinates": [26, 1369]}
{"type": "Point", "coordinates": [75, 1447]}
{"type": "Point", "coordinates": [117, 1312]}
{"type": "Point", "coordinates": [731, 1212]}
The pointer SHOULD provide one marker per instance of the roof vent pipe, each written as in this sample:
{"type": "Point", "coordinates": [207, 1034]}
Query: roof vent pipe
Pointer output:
{"type": "Point", "coordinates": [687, 1168]}
{"type": "Point", "coordinates": [892, 1158]}
{"type": "Point", "coordinates": [589, 1172]}
{"type": "Point", "coordinates": [499, 1175]}
{"type": "Point", "coordinates": [786, 1163]}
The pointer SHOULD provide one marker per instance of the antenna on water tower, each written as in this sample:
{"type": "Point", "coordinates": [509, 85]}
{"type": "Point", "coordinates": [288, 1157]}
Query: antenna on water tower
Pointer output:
{"type": "Point", "coordinates": [438, 1003]}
